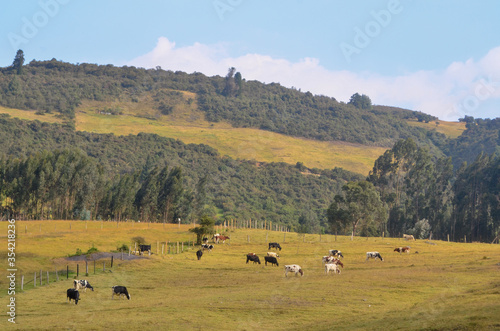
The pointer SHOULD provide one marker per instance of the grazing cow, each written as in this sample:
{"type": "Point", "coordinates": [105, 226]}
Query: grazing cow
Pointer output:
{"type": "Point", "coordinates": [219, 237]}
{"type": "Point", "coordinates": [273, 254]}
{"type": "Point", "coordinates": [71, 293]}
{"type": "Point", "coordinates": [408, 237]}
{"type": "Point", "coordinates": [199, 254]}
{"type": "Point", "coordinates": [373, 255]}
{"type": "Point", "coordinates": [79, 284]}
{"type": "Point", "coordinates": [332, 260]}
{"type": "Point", "coordinates": [332, 267]}
{"type": "Point", "coordinates": [272, 260]}
{"type": "Point", "coordinates": [119, 291]}
{"type": "Point", "coordinates": [274, 245]}
{"type": "Point", "coordinates": [205, 240]}
{"type": "Point", "coordinates": [207, 247]}
{"type": "Point", "coordinates": [144, 248]}
{"type": "Point", "coordinates": [402, 249]}
{"type": "Point", "coordinates": [336, 253]}
{"type": "Point", "coordinates": [215, 237]}
{"type": "Point", "coordinates": [293, 268]}
{"type": "Point", "coordinates": [252, 257]}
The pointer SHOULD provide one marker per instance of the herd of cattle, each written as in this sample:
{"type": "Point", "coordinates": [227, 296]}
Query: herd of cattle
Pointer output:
{"type": "Point", "coordinates": [332, 263]}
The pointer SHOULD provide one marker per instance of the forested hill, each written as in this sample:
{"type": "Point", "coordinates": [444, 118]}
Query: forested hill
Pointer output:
{"type": "Point", "coordinates": [233, 189]}
{"type": "Point", "coordinates": [54, 86]}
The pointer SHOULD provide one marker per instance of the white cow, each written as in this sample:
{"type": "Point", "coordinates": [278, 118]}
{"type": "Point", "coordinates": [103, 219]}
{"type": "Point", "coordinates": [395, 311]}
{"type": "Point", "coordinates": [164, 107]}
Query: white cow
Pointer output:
{"type": "Point", "coordinates": [332, 267]}
{"type": "Point", "coordinates": [293, 268]}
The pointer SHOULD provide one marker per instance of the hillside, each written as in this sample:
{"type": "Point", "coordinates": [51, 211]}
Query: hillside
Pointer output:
{"type": "Point", "coordinates": [159, 145]}
{"type": "Point", "coordinates": [54, 86]}
{"type": "Point", "coordinates": [235, 188]}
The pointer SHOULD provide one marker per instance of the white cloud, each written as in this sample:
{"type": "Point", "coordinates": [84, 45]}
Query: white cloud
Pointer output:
{"type": "Point", "coordinates": [460, 89]}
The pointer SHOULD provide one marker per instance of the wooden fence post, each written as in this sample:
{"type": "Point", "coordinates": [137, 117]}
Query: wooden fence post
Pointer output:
{"type": "Point", "coordinates": [177, 247]}
{"type": "Point", "coordinates": [182, 249]}
{"type": "Point", "coordinates": [162, 248]}
{"type": "Point", "coordinates": [22, 283]}
{"type": "Point", "coordinates": [448, 237]}
{"type": "Point", "coordinates": [34, 280]}
{"type": "Point", "coordinates": [111, 261]}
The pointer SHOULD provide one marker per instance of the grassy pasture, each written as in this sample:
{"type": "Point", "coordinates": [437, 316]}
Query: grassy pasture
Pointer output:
{"type": "Point", "coordinates": [445, 286]}
{"type": "Point", "coordinates": [450, 129]}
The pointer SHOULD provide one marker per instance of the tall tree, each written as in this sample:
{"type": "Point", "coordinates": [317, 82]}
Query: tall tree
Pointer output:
{"type": "Point", "coordinates": [361, 101]}
{"type": "Point", "coordinates": [230, 88]}
{"type": "Point", "coordinates": [17, 65]}
{"type": "Point", "coordinates": [360, 204]}
{"type": "Point", "coordinates": [206, 227]}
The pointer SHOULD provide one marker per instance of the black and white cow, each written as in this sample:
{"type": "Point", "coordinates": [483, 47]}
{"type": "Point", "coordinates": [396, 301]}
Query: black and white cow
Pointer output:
{"type": "Point", "coordinates": [119, 291]}
{"type": "Point", "coordinates": [199, 254]}
{"type": "Point", "coordinates": [71, 293]}
{"type": "Point", "coordinates": [207, 247]}
{"type": "Point", "coordinates": [373, 255]}
{"type": "Point", "coordinates": [82, 283]}
{"type": "Point", "coordinates": [336, 253]}
{"type": "Point", "coordinates": [274, 245]}
{"type": "Point", "coordinates": [144, 248]}
{"type": "Point", "coordinates": [272, 260]}
{"type": "Point", "coordinates": [252, 257]}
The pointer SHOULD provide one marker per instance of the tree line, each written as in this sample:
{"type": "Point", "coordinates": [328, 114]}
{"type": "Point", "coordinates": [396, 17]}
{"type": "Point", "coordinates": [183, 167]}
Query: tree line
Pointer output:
{"type": "Point", "coordinates": [68, 184]}
{"type": "Point", "coordinates": [410, 191]}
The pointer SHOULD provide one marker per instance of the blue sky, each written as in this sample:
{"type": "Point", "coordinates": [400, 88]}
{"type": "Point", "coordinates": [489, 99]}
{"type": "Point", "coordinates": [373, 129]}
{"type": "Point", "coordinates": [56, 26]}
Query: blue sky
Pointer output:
{"type": "Point", "coordinates": [440, 57]}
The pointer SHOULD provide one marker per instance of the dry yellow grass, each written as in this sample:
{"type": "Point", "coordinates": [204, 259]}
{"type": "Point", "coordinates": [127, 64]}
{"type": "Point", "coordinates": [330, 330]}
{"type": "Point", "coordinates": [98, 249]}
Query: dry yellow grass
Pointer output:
{"type": "Point", "coordinates": [187, 124]}
{"type": "Point", "coordinates": [450, 129]}
{"type": "Point", "coordinates": [30, 115]}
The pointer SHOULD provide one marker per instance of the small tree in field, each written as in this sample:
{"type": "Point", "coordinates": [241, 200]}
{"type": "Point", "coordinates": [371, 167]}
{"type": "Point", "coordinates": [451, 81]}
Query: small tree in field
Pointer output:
{"type": "Point", "coordinates": [206, 228]}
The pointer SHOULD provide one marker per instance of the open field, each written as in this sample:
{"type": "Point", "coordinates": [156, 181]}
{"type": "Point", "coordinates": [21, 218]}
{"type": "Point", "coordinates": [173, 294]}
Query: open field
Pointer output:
{"type": "Point", "coordinates": [450, 129]}
{"type": "Point", "coordinates": [30, 115]}
{"type": "Point", "coordinates": [187, 124]}
{"type": "Point", "coordinates": [445, 286]}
